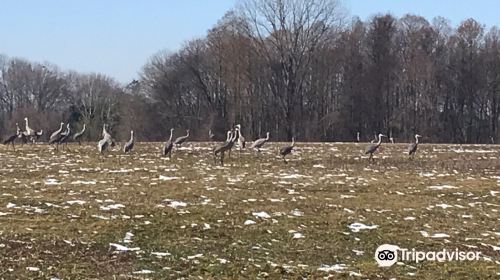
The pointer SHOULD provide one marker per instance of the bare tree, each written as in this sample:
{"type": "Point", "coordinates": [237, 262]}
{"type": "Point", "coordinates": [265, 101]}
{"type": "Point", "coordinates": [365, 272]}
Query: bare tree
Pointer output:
{"type": "Point", "coordinates": [288, 34]}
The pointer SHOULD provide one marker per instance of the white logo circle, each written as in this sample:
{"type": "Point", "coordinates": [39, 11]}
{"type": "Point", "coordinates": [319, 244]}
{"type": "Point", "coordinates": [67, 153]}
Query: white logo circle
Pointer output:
{"type": "Point", "coordinates": [386, 255]}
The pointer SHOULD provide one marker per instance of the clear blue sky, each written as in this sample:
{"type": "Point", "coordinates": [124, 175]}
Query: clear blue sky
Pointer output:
{"type": "Point", "coordinates": [117, 37]}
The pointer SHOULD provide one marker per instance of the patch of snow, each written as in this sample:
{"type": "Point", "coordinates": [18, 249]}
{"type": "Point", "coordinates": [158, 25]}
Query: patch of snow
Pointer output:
{"type": "Point", "coordinates": [144, 271]}
{"type": "Point", "coordinates": [330, 268]}
{"type": "Point", "coordinates": [160, 254]}
{"type": "Point", "coordinates": [356, 227]}
{"type": "Point", "coordinates": [51, 181]}
{"type": "Point", "coordinates": [79, 202]}
{"type": "Point", "coordinates": [195, 256]}
{"type": "Point", "coordinates": [174, 203]}
{"type": "Point", "coordinates": [119, 247]}
{"type": "Point", "coordinates": [442, 187]}
{"type": "Point", "coordinates": [261, 214]}
{"type": "Point", "coordinates": [83, 182]}
{"type": "Point", "coordinates": [112, 206]}
{"type": "Point", "coordinates": [10, 205]}
{"type": "Point", "coordinates": [32, 268]}
{"type": "Point", "coordinates": [166, 178]}
{"type": "Point", "coordinates": [439, 235]}
{"type": "Point", "coordinates": [297, 213]}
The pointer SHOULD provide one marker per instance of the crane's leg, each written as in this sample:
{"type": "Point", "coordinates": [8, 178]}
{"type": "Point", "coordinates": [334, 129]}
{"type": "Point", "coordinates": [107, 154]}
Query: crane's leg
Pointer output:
{"type": "Point", "coordinates": [284, 159]}
{"type": "Point", "coordinates": [13, 146]}
{"type": "Point", "coordinates": [222, 159]}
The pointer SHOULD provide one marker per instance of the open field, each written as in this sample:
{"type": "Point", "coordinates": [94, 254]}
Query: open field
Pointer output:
{"type": "Point", "coordinates": [77, 215]}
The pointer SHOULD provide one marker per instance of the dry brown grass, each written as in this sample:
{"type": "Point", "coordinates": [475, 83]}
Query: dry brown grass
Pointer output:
{"type": "Point", "coordinates": [324, 188]}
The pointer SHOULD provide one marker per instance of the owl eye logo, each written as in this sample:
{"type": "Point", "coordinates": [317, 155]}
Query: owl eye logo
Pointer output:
{"type": "Point", "coordinates": [386, 255]}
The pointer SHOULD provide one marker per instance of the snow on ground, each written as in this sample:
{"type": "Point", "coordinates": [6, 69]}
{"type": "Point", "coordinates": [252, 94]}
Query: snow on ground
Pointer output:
{"type": "Point", "coordinates": [255, 201]}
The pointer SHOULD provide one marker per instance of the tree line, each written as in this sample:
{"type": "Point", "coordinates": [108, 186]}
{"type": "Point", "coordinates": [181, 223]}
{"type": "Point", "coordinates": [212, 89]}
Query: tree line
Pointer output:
{"type": "Point", "coordinates": [294, 68]}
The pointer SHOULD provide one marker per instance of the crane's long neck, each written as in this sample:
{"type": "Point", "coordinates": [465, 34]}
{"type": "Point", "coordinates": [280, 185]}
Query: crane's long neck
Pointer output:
{"type": "Point", "coordinates": [416, 139]}
{"type": "Point", "coordinates": [61, 127]}
{"type": "Point", "coordinates": [379, 140]}
{"type": "Point", "coordinates": [27, 125]}
{"type": "Point", "coordinates": [228, 136]}
{"type": "Point", "coordinates": [267, 137]}
{"type": "Point", "coordinates": [293, 141]}
{"type": "Point", "coordinates": [234, 137]}
{"type": "Point", "coordinates": [171, 134]}
{"type": "Point", "coordinates": [83, 128]}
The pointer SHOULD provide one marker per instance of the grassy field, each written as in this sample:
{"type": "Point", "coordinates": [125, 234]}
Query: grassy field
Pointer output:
{"type": "Point", "coordinates": [77, 215]}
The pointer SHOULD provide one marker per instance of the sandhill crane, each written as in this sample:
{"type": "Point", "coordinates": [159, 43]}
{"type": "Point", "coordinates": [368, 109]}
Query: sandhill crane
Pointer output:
{"type": "Point", "coordinates": [106, 135]}
{"type": "Point", "coordinates": [179, 140]}
{"type": "Point", "coordinates": [104, 131]}
{"type": "Point", "coordinates": [29, 132]}
{"type": "Point", "coordinates": [287, 149]}
{"type": "Point", "coordinates": [130, 144]}
{"type": "Point", "coordinates": [55, 135]}
{"type": "Point", "coordinates": [232, 141]}
{"type": "Point", "coordinates": [11, 139]}
{"type": "Point", "coordinates": [21, 135]}
{"type": "Point", "coordinates": [78, 135]}
{"type": "Point", "coordinates": [373, 147]}
{"type": "Point", "coordinates": [375, 139]}
{"type": "Point", "coordinates": [38, 134]}
{"type": "Point", "coordinates": [103, 144]}
{"type": "Point", "coordinates": [106, 140]}
{"type": "Point", "coordinates": [357, 136]}
{"type": "Point", "coordinates": [257, 144]}
{"type": "Point", "coordinates": [222, 148]}
{"type": "Point", "coordinates": [241, 139]}
{"type": "Point", "coordinates": [211, 135]}
{"type": "Point", "coordinates": [412, 149]}
{"type": "Point", "coordinates": [56, 138]}
{"type": "Point", "coordinates": [64, 136]}
{"type": "Point", "coordinates": [167, 147]}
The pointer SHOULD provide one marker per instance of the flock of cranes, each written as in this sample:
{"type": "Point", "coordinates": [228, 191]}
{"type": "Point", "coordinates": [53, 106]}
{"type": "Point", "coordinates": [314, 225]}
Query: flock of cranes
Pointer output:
{"type": "Point", "coordinates": [234, 135]}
